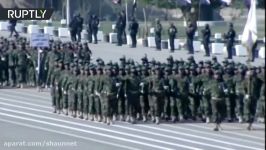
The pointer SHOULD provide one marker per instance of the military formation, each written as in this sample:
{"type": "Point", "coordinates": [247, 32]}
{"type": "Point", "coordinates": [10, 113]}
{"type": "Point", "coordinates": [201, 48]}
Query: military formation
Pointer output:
{"type": "Point", "coordinates": [135, 91]}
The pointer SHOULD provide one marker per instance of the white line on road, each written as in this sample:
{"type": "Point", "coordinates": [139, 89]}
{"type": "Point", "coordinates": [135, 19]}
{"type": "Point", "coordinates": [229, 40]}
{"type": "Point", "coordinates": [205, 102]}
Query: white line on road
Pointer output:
{"type": "Point", "coordinates": [233, 133]}
{"type": "Point", "coordinates": [69, 134]}
{"type": "Point", "coordinates": [86, 131]}
{"type": "Point", "coordinates": [211, 134]}
{"type": "Point", "coordinates": [201, 137]}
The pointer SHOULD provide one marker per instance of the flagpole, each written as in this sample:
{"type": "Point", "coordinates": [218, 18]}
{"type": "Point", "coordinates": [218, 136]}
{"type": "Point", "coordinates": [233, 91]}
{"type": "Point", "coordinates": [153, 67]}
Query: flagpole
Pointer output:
{"type": "Point", "coordinates": [126, 13]}
{"type": "Point", "coordinates": [68, 12]}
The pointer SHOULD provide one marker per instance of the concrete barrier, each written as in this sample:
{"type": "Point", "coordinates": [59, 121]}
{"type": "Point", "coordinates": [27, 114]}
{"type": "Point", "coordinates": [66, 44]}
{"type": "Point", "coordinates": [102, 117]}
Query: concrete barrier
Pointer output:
{"type": "Point", "coordinates": [241, 50]}
{"type": "Point", "coordinates": [49, 30]}
{"type": "Point", "coordinates": [262, 52]}
{"type": "Point", "coordinates": [4, 25]}
{"type": "Point", "coordinates": [176, 42]}
{"type": "Point", "coordinates": [197, 46]}
{"type": "Point", "coordinates": [151, 42]}
{"type": "Point", "coordinates": [63, 32]}
{"type": "Point", "coordinates": [217, 48]}
{"type": "Point", "coordinates": [33, 29]}
{"type": "Point", "coordinates": [113, 37]}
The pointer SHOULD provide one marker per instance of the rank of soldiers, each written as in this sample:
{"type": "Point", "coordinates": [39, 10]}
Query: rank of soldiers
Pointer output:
{"type": "Point", "coordinates": [150, 90]}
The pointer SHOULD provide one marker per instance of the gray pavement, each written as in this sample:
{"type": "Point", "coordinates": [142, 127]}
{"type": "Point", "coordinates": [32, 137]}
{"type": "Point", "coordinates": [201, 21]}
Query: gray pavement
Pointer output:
{"type": "Point", "coordinates": [27, 122]}
{"type": "Point", "coordinates": [109, 52]}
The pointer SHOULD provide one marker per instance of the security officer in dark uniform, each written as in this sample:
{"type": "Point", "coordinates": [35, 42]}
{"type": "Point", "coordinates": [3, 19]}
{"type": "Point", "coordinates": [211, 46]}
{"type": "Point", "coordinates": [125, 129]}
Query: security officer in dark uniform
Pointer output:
{"type": "Point", "coordinates": [172, 35]}
{"type": "Point", "coordinates": [79, 26]}
{"type": "Point", "coordinates": [119, 29]}
{"type": "Point", "coordinates": [12, 27]}
{"type": "Point", "coordinates": [190, 36]}
{"type": "Point", "coordinates": [206, 34]}
{"type": "Point", "coordinates": [73, 29]}
{"type": "Point", "coordinates": [158, 34]}
{"type": "Point", "coordinates": [89, 27]}
{"type": "Point", "coordinates": [133, 29]}
{"type": "Point", "coordinates": [94, 25]}
{"type": "Point", "coordinates": [230, 37]}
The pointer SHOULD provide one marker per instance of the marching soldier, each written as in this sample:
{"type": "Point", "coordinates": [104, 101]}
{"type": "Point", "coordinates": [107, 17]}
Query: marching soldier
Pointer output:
{"type": "Point", "coordinates": [89, 27]}
{"type": "Point", "coordinates": [252, 91]}
{"type": "Point", "coordinates": [217, 91]}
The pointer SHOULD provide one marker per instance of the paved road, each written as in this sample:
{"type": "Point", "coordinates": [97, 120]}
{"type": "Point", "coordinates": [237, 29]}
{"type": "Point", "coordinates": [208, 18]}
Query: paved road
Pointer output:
{"type": "Point", "coordinates": [109, 52]}
{"type": "Point", "coordinates": [27, 122]}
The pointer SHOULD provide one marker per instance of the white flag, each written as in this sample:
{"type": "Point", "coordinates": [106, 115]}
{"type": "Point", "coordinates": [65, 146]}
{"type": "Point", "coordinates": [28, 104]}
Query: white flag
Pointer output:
{"type": "Point", "coordinates": [228, 2]}
{"type": "Point", "coordinates": [249, 35]}
{"type": "Point", "coordinates": [207, 2]}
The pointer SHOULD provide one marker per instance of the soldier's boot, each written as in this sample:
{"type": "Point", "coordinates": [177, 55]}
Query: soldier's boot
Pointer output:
{"type": "Point", "coordinates": [173, 119]}
{"type": "Point", "coordinates": [132, 120]}
{"type": "Point", "coordinates": [152, 118]}
{"type": "Point", "coordinates": [114, 118]}
{"type": "Point", "coordinates": [208, 119]}
{"type": "Point", "coordinates": [54, 111]}
{"type": "Point", "coordinates": [21, 86]}
{"type": "Point", "coordinates": [249, 126]}
{"type": "Point", "coordinates": [181, 118]}
{"type": "Point", "coordinates": [59, 111]}
{"type": "Point", "coordinates": [261, 120]}
{"type": "Point", "coordinates": [144, 118]}
{"type": "Point", "coordinates": [99, 119]}
{"type": "Point", "coordinates": [65, 111]}
{"type": "Point", "coordinates": [74, 114]}
{"type": "Point", "coordinates": [104, 119]}
{"type": "Point", "coordinates": [94, 118]}
{"type": "Point", "coordinates": [81, 115]}
{"type": "Point", "coordinates": [138, 116]}
{"type": "Point", "coordinates": [240, 119]}
{"type": "Point", "coordinates": [216, 128]}
{"type": "Point", "coordinates": [121, 118]}
{"type": "Point", "coordinates": [91, 117]}
{"type": "Point", "coordinates": [86, 116]}
{"type": "Point", "coordinates": [108, 121]}
{"type": "Point", "coordinates": [157, 120]}
{"type": "Point", "coordinates": [127, 118]}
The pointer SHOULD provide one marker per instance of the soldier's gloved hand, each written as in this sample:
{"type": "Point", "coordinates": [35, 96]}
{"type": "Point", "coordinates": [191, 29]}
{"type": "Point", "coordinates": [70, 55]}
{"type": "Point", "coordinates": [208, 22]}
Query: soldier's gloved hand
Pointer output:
{"type": "Point", "coordinates": [226, 90]}
{"type": "Point", "coordinates": [247, 96]}
{"type": "Point", "coordinates": [125, 95]}
{"type": "Point", "coordinates": [117, 84]}
{"type": "Point", "coordinates": [141, 84]}
{"type": "Point", "coordinates": [165, 87]}
{"type": "Point", "coordinates": [65, 92]}
{"type": "Point", "coordinates": [3, 58]}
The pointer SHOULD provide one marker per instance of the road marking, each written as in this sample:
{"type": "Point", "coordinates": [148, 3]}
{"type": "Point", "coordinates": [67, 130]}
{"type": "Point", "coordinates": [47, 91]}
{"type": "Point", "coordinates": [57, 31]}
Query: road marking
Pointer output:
{"type": "Point", "coordinates": [69, 134]}
{"type": "Point", "coordinates": [28, 94]}
{"type": "Point", "coordinates": [212, 134]}
{"type": "Point", "coordinates": [173, 137]}
{"type": "Point", "coordinates": [200, 137]}
{"type": "Point", "coordinates": [20, 102]}
{"type": "Point", "coordinates": [98, 128]}
{"type": "Point", "coordinates": [86, 131]}
{"type": "Point", "coordinates": [233, 133]}
{"type": "Point", "coordinates": [29, 100]}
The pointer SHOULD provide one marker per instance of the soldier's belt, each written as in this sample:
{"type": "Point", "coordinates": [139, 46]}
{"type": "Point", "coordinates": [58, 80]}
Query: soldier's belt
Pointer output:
{"type": "Point", "coordinates": [216, 98]}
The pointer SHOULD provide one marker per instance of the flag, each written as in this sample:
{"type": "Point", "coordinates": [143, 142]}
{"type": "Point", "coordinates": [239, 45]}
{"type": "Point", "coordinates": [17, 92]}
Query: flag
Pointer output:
{"type": "Point", "coordinates": [227, 2]}
{"type": "Point", "coordinates": [117, 2]}
{"type": "Point", "coordinates": [249, 35]}
{"type": "Point", "coordinates": [206, 2]}
{"type": "Point", "coordinates": [184, 2]}
{"type": "Point", "coordinates": [134, 4]}
{"type": "Point", "coordinates": [134, 7]}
